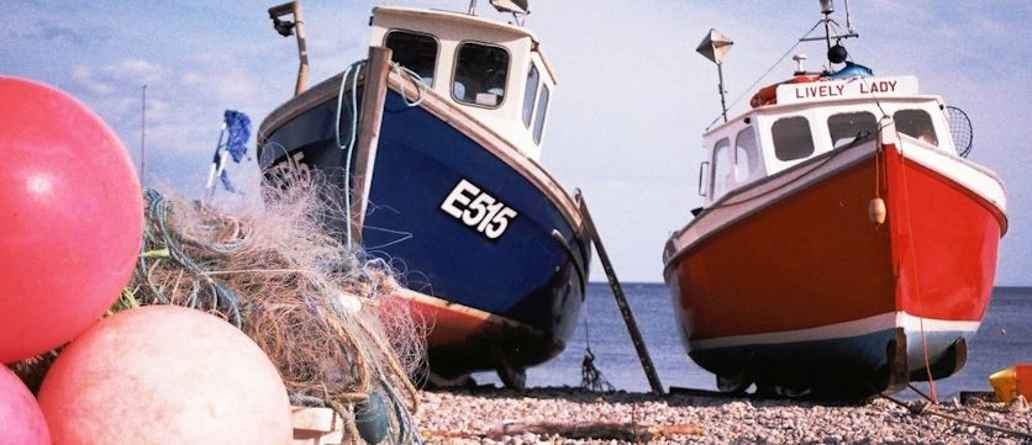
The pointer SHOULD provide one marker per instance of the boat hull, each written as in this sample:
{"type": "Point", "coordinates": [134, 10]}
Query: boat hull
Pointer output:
{"type": "Point", "coordinates": [802, 290]}
{"type": "Point", "coordinates": [523, 286]}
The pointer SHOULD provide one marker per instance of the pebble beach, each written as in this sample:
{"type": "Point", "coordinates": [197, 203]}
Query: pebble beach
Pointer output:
{"type": "Point", "coordinates": [573, 416]}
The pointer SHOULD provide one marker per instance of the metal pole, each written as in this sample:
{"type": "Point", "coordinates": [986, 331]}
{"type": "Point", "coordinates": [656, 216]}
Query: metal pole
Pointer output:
{"type": "Point", "coordinates": [723, 103]}
{"type": "Point", "coordinates": [302, 49]}
{"type": "Point", "coordinates": [143, 137]}
{"type": "Point", "coordinates": [621, 302]}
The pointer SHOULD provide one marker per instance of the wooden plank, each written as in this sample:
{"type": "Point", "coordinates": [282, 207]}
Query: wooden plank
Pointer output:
{"type": "Point", "coordinates": [322, 420]}
{"type": "Point", "coordinates": [374, 97]}
{"type": "Point", "coordinates": [621, 301]}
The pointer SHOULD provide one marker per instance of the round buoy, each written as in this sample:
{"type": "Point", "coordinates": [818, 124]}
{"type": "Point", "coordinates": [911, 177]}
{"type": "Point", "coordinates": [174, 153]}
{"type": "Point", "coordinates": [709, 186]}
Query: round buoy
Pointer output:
{"type": "Point", "coordinates": [21, 422]}
{"type": "Point", "coordinates": [371, 418]}
{"type": "Point", "coordinates": [165, 374]}
{"type": "Point", "coordinates": [71, 218]}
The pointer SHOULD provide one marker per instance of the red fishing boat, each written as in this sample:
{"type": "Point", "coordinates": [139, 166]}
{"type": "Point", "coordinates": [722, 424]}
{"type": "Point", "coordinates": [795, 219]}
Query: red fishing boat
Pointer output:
{"type": "Point", "coordinates": [846, 246]}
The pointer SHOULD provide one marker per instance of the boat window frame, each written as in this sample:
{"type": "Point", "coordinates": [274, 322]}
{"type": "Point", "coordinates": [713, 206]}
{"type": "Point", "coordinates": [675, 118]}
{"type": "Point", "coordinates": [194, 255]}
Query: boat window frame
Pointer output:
{"type": "Point", "coordinates": [455, 70]}
{"type": "Point", "coordinates": [714, 166]}
{"type": "Point", "coordinates": [437, 41]}
{"type": "Point", "coordinates": [757, 146]}
{"type": "Point", "coordinates": [809, 127]}
{"type": "Point", "coordinates": [931, 124]}
{"type": "Point", "coordinates": [528, 119]}
{"type": "Point", "coordinates": [830, 115]}
{"type": "Point", "coordinates": [541, 114]}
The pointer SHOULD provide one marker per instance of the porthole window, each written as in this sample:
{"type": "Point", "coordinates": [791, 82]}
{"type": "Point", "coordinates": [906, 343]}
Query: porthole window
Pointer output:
{"type": "Point", "coordinates": [792, 138]}
{"type": "Point", "coordinates": [417, 52]}
{"type": "Point", "coordinates": [481, 72]}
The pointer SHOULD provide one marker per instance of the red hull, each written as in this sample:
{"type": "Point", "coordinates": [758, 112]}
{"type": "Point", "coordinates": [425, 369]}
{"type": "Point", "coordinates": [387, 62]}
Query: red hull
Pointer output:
{"type": "Point", "coordinates": [811, 266]}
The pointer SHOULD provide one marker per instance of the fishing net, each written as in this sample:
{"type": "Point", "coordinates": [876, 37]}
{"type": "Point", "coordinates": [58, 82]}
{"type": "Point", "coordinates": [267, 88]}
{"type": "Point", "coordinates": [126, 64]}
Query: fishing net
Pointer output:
{"type": "Point", "coordinates": [323, 314]}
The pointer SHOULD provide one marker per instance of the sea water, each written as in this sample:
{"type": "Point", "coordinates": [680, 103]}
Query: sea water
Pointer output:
{"type": "Point", "coordinates": [1004, 338]}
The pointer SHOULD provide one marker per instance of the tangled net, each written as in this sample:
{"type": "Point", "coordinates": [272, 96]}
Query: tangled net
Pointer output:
{"type": "Point", "coordinates": [323, 314]}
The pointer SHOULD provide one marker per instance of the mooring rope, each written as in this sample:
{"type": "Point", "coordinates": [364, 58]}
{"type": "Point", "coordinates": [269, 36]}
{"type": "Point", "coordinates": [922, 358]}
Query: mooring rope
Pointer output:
{"type": "Point", "coordinates": [928, 408]}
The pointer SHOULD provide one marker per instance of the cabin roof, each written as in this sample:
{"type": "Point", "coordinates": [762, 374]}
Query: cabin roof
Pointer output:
{"type": "Point", "coordinates": [776, 108]}
{"type": "Point", "coordinates": [459, 18]}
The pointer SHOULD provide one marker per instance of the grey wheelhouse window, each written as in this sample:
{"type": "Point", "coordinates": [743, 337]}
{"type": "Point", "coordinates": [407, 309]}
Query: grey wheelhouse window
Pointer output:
{"type": "Point", "coordinates": [539, 122]}
{"type": "Point", "coordinates": [848, 127]}
{"type": "Point", "coordinates": [417, 52]}
{"type": "Point", "coordinates": [723, 170]}
{"type": "Point", "coordinates": [792, 138]}
{"type": "Point", "coordinates": [916, 124]}
{"type": "Point", "coordinates": [747, 160]}
{"type": "Point", "coordinates": [533, 78]}
{"type": "Point", "coordinates": [481, 72]}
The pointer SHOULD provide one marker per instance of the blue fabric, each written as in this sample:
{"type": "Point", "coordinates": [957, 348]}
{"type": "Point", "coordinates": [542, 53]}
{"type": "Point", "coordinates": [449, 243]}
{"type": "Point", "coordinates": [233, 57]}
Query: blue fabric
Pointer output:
{"type": "Point", "coordinates": [239, 127]}
{"type": "Point", "coordinates": [851, 70]}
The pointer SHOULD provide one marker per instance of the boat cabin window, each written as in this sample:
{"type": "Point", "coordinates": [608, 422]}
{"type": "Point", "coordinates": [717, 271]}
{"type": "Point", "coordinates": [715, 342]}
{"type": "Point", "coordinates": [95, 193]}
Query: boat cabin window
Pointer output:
{"type": "Point", "coordinates": [848, 127]}
{"type": "Point", "coordinates": [539, 122]}
{"type": "Point", "coordinates": [723, 173]}
{"type": "Point", "coordinates": [481, 72]}
{"type": "Point", "coordinates": [916, 124]}
{"type": "Point", "coordinates": [417, 52]}
{"type": "Point", "coordinates": [747, 162]}
{"type": "Point", "coordinates": [533, 77]}
{"type": "Point", "coordinates": [792, 138]}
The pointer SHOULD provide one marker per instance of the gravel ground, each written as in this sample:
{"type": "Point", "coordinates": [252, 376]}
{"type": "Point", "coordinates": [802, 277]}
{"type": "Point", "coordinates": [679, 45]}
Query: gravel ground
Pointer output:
{"type": "Point", "coordinates": [464, 417]}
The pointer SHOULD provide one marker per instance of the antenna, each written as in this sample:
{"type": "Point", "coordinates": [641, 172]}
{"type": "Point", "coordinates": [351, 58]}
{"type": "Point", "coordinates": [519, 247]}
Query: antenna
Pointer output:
{"type": "Point", "coordinates": [715, 46]}
{"type": "Point", "coordinates": [472, 7]}
{"type": "Point", "coordinates": [286, 28]}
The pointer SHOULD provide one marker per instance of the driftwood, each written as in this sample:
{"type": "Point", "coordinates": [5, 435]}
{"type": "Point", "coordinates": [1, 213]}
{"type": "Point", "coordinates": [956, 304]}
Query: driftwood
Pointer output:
{"type": "Point", "coordinates": [630, 432]}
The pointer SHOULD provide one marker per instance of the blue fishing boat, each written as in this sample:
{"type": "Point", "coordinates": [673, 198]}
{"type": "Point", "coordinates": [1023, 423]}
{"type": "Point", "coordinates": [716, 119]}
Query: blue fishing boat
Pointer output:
{"type": "Point", "coordinates": [435, 141]}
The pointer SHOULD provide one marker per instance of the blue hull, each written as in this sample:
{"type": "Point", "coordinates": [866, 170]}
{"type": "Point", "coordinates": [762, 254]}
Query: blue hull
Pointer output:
{"type": "Point", "coordinates": [521, 274]}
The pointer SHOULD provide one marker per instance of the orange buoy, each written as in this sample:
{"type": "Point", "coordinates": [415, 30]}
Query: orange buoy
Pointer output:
{"type": "Point", "coordinates": [165, 374]}
{"type": "Point", "coordinates": [71, 218]}
{"type": "Point", "coordinates": [21, 422]}
{"type": "Point", "coordinates": [1013, 381]}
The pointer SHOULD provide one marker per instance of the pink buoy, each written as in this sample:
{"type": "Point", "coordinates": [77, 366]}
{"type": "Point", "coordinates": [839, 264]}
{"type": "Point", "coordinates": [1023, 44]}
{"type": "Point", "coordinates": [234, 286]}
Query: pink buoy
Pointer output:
{"type": "Point", "coordinates": [71, 218]}
{"type": "Point", "coordinates": [21, 422]}
{"type": "Point", "coordinates": [165, 374]}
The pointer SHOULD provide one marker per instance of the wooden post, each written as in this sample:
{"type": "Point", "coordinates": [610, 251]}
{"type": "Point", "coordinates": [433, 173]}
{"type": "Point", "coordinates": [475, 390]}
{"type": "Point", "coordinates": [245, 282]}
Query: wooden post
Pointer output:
{"type": "Point", "coordinates": [302, 50]}
{"type": "Point", "coordinates": [621, 301]}
{"type": "Point", "coordinates": [298, 29]}
{"type": "Point", "coordinates": [370, 117]}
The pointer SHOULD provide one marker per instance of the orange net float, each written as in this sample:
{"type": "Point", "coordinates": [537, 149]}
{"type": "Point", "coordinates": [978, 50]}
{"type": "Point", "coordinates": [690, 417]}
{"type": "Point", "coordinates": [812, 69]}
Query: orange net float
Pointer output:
{"type": "Point", "coordinates": [165, 374]}
{"type": "Point", "coordinates": [71, 218]}
{"type": "Point", "coordinates": [768, 95]}
{"type": "Point", "coordinates": [21, 421]}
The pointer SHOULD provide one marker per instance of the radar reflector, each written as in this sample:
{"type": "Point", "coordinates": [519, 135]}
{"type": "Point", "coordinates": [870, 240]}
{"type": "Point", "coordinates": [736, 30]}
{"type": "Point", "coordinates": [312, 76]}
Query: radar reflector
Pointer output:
{"type": "Point", "coordinates": [715, 46]}
{"type": "Point", "coordinates": [514, 6]}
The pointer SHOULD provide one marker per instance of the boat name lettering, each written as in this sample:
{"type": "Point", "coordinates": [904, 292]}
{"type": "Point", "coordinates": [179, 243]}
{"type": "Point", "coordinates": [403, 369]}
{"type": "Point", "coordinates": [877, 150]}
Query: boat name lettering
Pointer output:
{"type": "Point", "coordinates": [478, 210]}
{"type": "Point", "coordinates": [855, 88]}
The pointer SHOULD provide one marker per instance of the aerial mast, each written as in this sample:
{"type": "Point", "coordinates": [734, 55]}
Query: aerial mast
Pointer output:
{"type": "Point", "coordinates": [715, 47]}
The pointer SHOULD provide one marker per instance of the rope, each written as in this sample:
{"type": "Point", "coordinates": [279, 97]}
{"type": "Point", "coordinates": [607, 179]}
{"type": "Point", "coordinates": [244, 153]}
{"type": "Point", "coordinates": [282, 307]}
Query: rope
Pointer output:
{"type": "Point", "coordinates": [352, 71]}
{"type": "Point", "coordinates": [764, 75]}
{"type": "Point", "coordinates": [415, 77]}
{"type": "Point", "coordinates": [931, 409]}
{"type": "Point", "coordinates": [223, 299]}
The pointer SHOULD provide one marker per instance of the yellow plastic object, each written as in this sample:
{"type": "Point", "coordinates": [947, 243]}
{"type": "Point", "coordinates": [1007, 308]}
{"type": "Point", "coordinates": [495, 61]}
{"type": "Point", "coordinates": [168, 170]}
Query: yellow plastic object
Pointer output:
{"type": "Point", "coordinates": [1009, 382]}
{"type": "Point", "coordinates": [1005, 384]}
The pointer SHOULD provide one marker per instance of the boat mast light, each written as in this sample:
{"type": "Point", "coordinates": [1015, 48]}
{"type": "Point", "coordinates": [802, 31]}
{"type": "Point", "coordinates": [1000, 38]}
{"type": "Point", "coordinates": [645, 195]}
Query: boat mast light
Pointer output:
{"type": "Point", "coordinates": [715, 46]}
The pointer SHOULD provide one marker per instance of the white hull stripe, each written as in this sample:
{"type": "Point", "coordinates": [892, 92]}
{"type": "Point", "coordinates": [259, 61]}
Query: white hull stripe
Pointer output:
{"type": "Point", "coordinates": [854, 328]}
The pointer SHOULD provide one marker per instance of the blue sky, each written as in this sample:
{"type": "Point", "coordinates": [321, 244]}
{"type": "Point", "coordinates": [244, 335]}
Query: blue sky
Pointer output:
{"type": "Point", "coordinates": [626, 121]}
